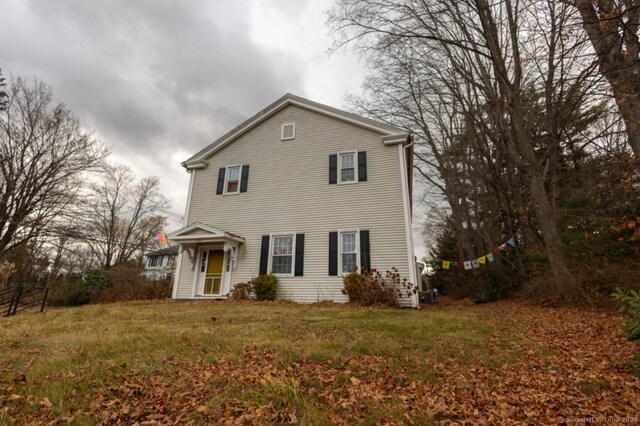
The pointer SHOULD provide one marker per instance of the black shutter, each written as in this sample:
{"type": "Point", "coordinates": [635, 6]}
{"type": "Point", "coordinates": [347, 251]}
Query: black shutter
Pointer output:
{"type": "Point", "coordinates": [333, 253]}
{"type": "Point", "coordinates": [333, 168]}
{"type": "Point", "coordinates": [365, 251]}
{"type": "Point", "coordinates": [244, 180]}
{"type": "Point", "coordinates": [220, 188]}
{"type": "Point", "coordinates": [264, 254]}
{"type": "Point", "coordinates": [299, 269]}
{"type": "Point", "coordinates": [362, 166]}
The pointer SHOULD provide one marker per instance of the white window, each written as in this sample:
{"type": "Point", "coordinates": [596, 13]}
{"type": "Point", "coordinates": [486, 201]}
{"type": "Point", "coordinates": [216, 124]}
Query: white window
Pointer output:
{"type": "Point", "coordinates": [282, 249]}
{"type": "Point", "coordinates": [347, 171]}
{"type": "Point", "coordinates": [288, 131]}
{"type": "Point", "coordinates": [232, 184]}
{"type": "Point", "coordinates": [349, 249]}
{"type": "Point", "coordinates": [153, 261]}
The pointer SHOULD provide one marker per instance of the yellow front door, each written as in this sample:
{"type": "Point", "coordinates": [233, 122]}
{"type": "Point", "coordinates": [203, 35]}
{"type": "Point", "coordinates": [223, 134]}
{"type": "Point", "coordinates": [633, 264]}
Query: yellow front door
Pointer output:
{"type": "Point", "coordinates": [213, 275]}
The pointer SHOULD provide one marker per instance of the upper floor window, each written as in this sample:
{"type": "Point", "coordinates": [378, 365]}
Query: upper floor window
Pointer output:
{"type": "Point", "coordinates": [348, 167]}
{"type": "Point", "coordinates": [233, 180]}
{"type": "Point", "coordinates": [288, 131]}
{"type": "Point", "coordinates": [282, 254]}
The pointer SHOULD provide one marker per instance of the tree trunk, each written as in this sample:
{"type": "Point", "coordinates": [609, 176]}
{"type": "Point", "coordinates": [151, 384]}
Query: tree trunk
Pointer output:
{"type": "Point", "coordinates": [612, 28]}
{"type": "Point", "coordinates": [523, 153]}
{"type": "Point", "coordinates": [629, 107]}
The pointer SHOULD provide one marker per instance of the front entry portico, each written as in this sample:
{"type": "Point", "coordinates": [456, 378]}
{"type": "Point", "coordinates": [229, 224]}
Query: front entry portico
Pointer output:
{"type": "Point", "coordinates": [212, 255]}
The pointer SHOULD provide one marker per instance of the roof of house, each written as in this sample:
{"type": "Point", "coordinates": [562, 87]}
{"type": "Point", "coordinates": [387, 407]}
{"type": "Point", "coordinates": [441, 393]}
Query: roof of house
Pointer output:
{"type": "Point", "coordinates": [168, 250]}
{"type": "Point", "coordinates": [288, 99]}
{"type": "Point", "coordinates": [206, 232]}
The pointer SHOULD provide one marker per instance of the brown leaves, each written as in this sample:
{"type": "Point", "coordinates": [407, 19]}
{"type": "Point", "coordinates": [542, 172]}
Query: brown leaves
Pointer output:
{"type": "Point", "coordinates": [554, 362]}
{"type": "Point", "coordinates": [45, 403]}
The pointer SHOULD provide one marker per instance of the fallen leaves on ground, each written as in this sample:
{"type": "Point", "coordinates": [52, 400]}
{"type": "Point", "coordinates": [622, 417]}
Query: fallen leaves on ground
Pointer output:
{"type": "Point", "coordinates": [566, 363]}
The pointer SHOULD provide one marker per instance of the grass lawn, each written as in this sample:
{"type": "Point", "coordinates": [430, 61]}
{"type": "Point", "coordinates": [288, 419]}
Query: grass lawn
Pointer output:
{"type": "Point", "coordinates": [251, 363]}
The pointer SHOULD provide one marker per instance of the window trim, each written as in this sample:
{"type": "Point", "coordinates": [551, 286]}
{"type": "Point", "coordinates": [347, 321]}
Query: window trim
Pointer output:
{"type": "Point", "coordinates": [355, 167]}
{"type": "Point", "coordinates": [358, 265]}
{"type": "Point", "coordinates": [282, 138]}
{"type": "Point", "coordinates": [226, 179]}
{"type": "Point", "coordinates": [293, 253]}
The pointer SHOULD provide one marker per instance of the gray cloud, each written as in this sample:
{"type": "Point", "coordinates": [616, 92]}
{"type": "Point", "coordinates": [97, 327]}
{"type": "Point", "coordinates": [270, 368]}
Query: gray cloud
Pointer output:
{"type": "Point", "coordinates": [150, 77]}
{"type": "Point", "coordinates": [158, 80]}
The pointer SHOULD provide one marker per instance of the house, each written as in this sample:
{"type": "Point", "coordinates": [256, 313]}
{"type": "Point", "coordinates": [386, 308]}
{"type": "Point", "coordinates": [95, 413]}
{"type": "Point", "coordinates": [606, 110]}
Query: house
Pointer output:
{"type": "Point", "coordinates": [302, 190]}
{"type": "Point", "coordinates": [160, 264]}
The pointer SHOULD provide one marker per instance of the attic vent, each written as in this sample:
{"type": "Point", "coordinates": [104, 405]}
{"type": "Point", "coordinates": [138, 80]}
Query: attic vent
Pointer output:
{"type": "Point", "coordinates": [288, 131]}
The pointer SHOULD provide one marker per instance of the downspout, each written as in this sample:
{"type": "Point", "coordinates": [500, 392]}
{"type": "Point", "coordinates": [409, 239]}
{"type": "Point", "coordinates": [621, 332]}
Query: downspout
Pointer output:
{"type": "Point", "coordinates": [410, 171]}
{"type": "Point", "coordinates": [407, 201]}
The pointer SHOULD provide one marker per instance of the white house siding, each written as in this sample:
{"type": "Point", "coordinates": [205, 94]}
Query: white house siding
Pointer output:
{"type": "Point", "coordinates": [185, 278]}
{"type": "Point", "coordinates": [289, 192]}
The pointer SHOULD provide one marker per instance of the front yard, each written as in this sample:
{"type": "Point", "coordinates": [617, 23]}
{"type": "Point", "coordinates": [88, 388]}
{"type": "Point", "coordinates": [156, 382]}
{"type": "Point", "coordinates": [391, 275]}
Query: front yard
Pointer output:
{"type": "Point", "coordinates": [250, 363]}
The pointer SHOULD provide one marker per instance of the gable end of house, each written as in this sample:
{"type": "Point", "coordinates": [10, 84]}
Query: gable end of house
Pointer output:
{"type": "Point", "coordinates": [390, 135]}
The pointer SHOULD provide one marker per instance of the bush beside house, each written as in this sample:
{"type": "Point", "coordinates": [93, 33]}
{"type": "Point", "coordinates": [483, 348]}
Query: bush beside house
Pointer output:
{"type": "Point", "coordinates": [118, 283]}
{"type": "Point", "coordinates": [265, 286]}
{"type": "Point", "coordinates": [371, 288]}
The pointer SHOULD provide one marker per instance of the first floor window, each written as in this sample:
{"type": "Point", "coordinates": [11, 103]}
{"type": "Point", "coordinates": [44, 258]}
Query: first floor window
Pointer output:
{"type": "Point", "coordinates": [348, 252]}
{"type": "Point", "coordinates": [282, 255]}
{"type": "Point", "coordinates": [348, 167]}
{"type": "Point", "coordinates": [154, 261]}
{"type": "Point", "coordinates": [233, 180]}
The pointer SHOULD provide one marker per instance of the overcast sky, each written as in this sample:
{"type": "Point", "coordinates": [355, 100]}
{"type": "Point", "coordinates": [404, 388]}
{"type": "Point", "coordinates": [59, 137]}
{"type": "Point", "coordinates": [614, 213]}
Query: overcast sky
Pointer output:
{"type": "Point", "coordinates": [157, 80]}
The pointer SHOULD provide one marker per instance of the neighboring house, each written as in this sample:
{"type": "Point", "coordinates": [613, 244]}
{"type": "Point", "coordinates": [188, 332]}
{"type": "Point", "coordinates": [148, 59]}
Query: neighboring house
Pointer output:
{"type": "Point", "coordinates": [160, 264]}
{"type": "Point", "coordinates": [301, 190]}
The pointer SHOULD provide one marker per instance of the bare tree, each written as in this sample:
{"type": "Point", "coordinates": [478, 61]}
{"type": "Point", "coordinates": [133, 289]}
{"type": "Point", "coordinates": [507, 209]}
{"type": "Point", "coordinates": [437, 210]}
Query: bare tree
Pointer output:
{"type": "Point", "coordinates": [119, 217]}
{"type": "Point", "coordinates": [44, 155]}
{"type": "Point", "coordinates": [613, 26]}
{"type": "Point", "coordinates": [3, 93]}
{"type": "Point", "coordinates": [488, 112]}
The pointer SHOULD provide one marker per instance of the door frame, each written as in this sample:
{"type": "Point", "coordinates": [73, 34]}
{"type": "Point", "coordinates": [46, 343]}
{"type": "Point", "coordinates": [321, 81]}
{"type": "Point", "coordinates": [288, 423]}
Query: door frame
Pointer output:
{"type": "Point", "coordinates": [198, 281]}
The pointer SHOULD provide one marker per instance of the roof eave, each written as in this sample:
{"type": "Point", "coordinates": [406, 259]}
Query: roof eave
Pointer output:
{"type": "Point", "coordinates": [194, 164]}
{"type": "Point", "coordinates": [398, 138]}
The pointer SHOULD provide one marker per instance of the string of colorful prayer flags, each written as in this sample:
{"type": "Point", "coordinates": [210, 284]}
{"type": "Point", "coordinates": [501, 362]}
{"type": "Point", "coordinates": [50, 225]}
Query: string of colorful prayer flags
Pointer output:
{"type": "Point", "coordinates": [482, 260]}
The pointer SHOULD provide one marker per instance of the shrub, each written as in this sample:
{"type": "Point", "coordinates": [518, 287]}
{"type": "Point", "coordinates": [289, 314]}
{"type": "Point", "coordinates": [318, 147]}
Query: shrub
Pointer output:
{"type": "Point", "coordinates": [372, 288]}
{"type": "Point", "coordinates": [96, 280]}
{"type": "Point", "coordinates": [630, 303]}
{"type": "Point", "coordinates": [120, 283]}
{"type": "Point", "coordinates": [242, 291]}
{"type": "Point", "coordinates": [126, 283]}
{"type": "Point", "coordinates": [265, 286]}
{"type": "Point", "coordinates": [77, 298]}
{"type": "Point", "coordinates": [76, 290]}
{"type": "Point", "coordinates": [143, 289]}
{"type": "Point", "coordinates": [354, 286]}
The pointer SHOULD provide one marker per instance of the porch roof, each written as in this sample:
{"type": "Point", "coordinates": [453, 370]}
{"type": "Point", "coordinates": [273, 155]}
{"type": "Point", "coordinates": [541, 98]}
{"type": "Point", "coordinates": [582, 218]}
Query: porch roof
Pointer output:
{"type": "Point", "coordinates": [198, 233]}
